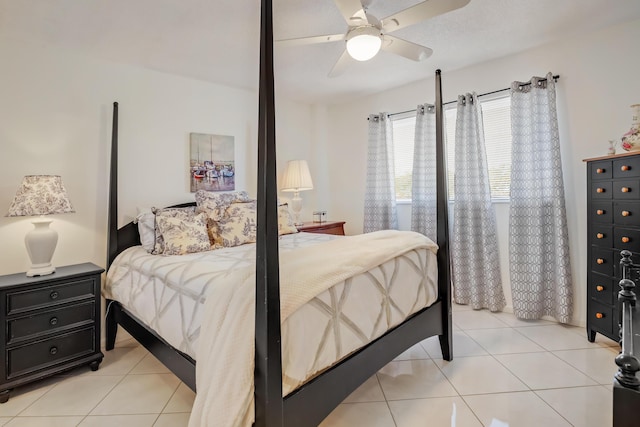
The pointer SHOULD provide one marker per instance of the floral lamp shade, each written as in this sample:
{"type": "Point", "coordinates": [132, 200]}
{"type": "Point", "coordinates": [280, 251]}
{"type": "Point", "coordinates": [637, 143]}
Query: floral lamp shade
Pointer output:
{"type": "Point", "coordinates": [41, 195]}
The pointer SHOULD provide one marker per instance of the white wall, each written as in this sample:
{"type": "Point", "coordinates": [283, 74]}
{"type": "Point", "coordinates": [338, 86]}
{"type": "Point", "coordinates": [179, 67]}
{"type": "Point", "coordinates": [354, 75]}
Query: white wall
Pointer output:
{"type": "Point", "coordinates": [55, 111]}
{"type": "Point", "coordinates": [599, 81]}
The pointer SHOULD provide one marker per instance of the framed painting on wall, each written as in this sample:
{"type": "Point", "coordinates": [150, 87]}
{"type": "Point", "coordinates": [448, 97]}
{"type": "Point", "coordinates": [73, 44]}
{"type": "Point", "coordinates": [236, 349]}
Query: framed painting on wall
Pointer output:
{"type": "Point", "coordinates": [212, 165]}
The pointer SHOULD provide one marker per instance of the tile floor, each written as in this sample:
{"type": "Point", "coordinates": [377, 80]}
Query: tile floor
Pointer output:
{"type": "Point", "coordinates": [505, 372]}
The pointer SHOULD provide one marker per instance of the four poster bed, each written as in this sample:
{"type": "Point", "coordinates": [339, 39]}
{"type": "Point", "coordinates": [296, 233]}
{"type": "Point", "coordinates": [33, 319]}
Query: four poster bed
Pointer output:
{"type": "Point", "coordinates": [326, 384]}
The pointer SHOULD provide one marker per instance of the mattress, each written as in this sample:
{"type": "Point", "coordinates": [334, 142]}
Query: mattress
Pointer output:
{"type": "Point", "coordinates": [167, 293]}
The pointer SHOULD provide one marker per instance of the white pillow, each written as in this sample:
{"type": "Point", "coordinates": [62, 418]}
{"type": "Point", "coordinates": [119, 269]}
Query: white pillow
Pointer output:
{"type": "Point", "coordinates": [147, 228]}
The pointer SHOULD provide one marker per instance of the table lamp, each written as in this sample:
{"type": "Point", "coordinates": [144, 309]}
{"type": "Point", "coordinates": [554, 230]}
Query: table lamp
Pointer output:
{"type": "Point", "coordinates": [296, 179]}
{"type": "Point", "coordinates": [40, 195]}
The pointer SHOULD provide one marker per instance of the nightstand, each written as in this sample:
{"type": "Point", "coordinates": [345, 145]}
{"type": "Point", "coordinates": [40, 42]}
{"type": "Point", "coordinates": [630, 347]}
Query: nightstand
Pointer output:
{"type": "Point", "coordinates": [49, 324]}
{"type": "Point", "coordinates": [327, 227]}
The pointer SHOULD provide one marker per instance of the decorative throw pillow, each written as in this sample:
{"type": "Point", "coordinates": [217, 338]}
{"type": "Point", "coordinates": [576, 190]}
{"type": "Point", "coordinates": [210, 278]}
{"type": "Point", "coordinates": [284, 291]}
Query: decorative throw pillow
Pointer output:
{"type": "Point", "coordinates": [146, 228]}
{"type": "Point", "coordinates": [285, 221]}
{"type": "Point", "coordinates": [216, 204]}
{"type": "Point", "coordinates": [239, 226]}
{"type": "Point", "coordinates": [184, 234]}
{"type": "Point", "coordinates": [184, 213]}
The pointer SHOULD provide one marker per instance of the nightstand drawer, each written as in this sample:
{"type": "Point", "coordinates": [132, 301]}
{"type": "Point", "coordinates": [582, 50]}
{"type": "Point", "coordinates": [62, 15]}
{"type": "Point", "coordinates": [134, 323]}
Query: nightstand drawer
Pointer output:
{"type": "Point", "coordinates": [601, 212]}
{"type": "Point", "coordinates": [602, 288]}
{"type": "Point", "coordinates": [601, 170]}
{"type": "Point", "coordinates": [602, 261]}
{"type": "Point", "coordinates": [50, 321]}
{"type": "Point", "coordinates": [42, 354]}
{"type": "Point", "coordinates": [602, 235]}
{"type": "Point", "coordinates": [626, 189]}
{"type": "Point", "coordinates": [601, 190]}
{"type": "Point", "coordinates": [20, 301]}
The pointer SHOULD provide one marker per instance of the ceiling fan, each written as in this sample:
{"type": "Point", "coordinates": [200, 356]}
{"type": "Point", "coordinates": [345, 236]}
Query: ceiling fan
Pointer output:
{"type": "Point", "coordinates": [367, 35]}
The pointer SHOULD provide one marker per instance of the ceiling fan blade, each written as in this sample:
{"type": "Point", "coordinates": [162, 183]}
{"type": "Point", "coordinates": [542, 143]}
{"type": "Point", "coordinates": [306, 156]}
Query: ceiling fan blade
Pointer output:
{"type": "Point", "coordinates": [311, 40]}
{"type": "Point", "coordinates": [404, 48]}
{"type": "Point", "coordinates": [420, 12]}
{"type": "Point", "coordinates": [340, 65]}
{"type": "Point", "coordinates": [353, 12]}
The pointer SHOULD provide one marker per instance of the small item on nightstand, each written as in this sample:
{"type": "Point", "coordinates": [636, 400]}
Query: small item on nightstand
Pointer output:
{"type": "Point", "coordinates": [612, 147]}
{"type": "Point", "coordinates": [319, 216]}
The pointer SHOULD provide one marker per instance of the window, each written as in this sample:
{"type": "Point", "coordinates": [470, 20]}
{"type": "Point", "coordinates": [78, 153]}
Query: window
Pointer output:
{"type": "Point", "coordinates": [496, 117]}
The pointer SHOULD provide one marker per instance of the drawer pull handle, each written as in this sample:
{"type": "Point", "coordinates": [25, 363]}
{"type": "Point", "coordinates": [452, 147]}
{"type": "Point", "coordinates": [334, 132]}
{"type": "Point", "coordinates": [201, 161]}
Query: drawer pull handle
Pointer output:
{"type": "Point", "coordinates": [600, 261]}
{"type": "Point", "coordinates": [600, 170]}
{"type": "Point", "coordinates": [626, 213]}
{"type": "Point", "coordinates": [625, 168]}
{"type": "Point", "coordinates": [600, 236]}
{"type": "Point", "coordinates": [599, 190]}
{"type": "Point", "coordinates": [625, 189]}
{"type": "Point", "coordinates": [53, 350]}
{"type": "Point", "coordinates": [53, 295]}
{"type": "Point", "coordinates": [599, 288]}
{"type": "Point", "coordinates": [53, 321]}
{"type": "Point", "coordinates": [599, 316]}
{"type": "Point", "coordinates": [625, 239]}
{"type": "Point", "coordinates": [600, 212]}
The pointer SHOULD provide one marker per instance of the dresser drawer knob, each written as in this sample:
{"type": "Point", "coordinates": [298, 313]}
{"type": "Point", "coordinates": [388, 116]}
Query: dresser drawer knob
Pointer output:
{"type": "Point", "coordinates": [626, 213]}
{"type": "Point", "coordinates": [599, 316]}
{"type": "Point", "coordinates": [599, 288]}
{"type": "Point", "coordinates": [600, 236]}
{"type": "Point", "coordinates": [625, 168]}
{"type": "Point", "coordinates": [53, 295]}
{"type": "Point", "coordinates": [600, 261]}
{"type": "Point", "coordinates": [600, 212]}
{"type": "Point", "coordinates": [600, 170]}
{"type": "Point", "coordinates": [599, 190]}
{"type": "Point", "coordinates": [53, 350]}
{"type": "Point", "coordinates": [625, 189]}
{"type": "Point", "coordinates": [53, 321]}
{"type": "Point", "coordinates": [625, 239]}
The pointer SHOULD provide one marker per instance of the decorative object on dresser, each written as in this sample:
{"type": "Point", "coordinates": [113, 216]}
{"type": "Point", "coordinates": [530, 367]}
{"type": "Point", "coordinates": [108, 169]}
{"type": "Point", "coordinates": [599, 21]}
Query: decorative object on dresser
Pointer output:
{"type": "Point", "coordinates": [631, 139]}
{"type": "Point", "coordinates": [613, 225]}
{"type": "Point", "coordinates": [296, 178]}
{"type": "Point", "coordinates": [327, 227]}
{"type": "Point", "coordinates": [626, 385]}
{"type": "Point", "coordinates": [40, 195]}
{"type": "Point", "coordinates": [49, 324]}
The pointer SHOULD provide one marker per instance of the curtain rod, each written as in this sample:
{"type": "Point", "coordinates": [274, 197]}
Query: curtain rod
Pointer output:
{"type": "Point", "coordinates": [555, 78]}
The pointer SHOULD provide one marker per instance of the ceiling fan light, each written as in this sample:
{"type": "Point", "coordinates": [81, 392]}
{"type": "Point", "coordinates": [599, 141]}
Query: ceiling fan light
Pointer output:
{"type": "Point", "coordinates": [363, 43]}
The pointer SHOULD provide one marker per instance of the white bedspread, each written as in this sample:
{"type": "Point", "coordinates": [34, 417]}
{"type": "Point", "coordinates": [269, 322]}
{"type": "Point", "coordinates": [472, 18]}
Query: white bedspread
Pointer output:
{"type": "Point", "coordinates": [225, 354]}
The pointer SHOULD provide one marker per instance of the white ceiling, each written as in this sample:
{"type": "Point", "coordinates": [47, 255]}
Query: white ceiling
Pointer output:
{"type": "Point", "coordinates": [218, 41]}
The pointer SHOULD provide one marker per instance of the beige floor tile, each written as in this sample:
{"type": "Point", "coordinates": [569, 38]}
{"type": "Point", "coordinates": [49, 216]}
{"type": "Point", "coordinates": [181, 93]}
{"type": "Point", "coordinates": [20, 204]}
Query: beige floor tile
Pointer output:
{"type": "Point", "coordinates": [120, 361]}
{"type": "Point", "coordinates": [463, 346]}
{"type": "Point", "coordinates": [435, 412]}
{"type": "Point", "coordinates": [557, 337]}
{"type": "Point", "coordinates": [544, 370]}
{"type": "Point", "coordinates": [370, 391]}
{"type": "Point", "coordinates": [139, 394]}
{"type": "Point", "coordinates": [5, 420]}
{"type": "Point", "coordinates": [21, 397]}
{"type": "Point", "coordinates": [503, 341]}
{"type": "Point", "coordinates": [414, 379]}
{"type": "Point", "coordinates": [598, 363]}
{"type": "Point", "coordinates": [73, 396]}
{"type": "Point", "coordinates": [172, 420]}
{"type": "Point", "coordinates": [372, 414]}
{"type": "Point", "coordinates": [477, 319]}
{"type": "Point", "coordinates": [181, 401]}
{"type": "Point", "coordinates": [415, 352]}
{"type": "Point", "coordinates": [600, 339]}
{"type": "Point", "coordinates": [522, 409]}
{"type": "Point", "coordinates": [511, 320]}
{"type": "Point", "coordinates": [150, 365]}
{"type": "Point", "coordinates": [460, 307]}
{"type": "Point", "coordinates": [145, 420]}
{"type": "Point", "coordinates": [479, 375]}
{"type": "Point", "coordinates": [581, 406]}
{"type": "Point", "coordinates": [44, 422]}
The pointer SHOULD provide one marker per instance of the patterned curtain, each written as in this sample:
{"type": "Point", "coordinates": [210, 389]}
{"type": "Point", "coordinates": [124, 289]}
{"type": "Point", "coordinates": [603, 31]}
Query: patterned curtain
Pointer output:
{"type": "Point", "coordinates": [476, 264]}
{"type": "Point", "coordinates": [380, 194]}
{"type": "Point", "coordinates": [423, 188]}
{"type": "Point", "coordinates": [538, 237]}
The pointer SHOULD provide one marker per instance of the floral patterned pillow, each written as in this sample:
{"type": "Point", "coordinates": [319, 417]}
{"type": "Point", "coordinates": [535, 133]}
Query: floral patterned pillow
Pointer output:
{"type": "Point", "coordinates": [285, 221]}
{"type": "Point", "coordinates": [184, 235]}
{"type": "Point", "coordinates": [183, 213]}
{"type": "Point", "coordinates": [216, 204]}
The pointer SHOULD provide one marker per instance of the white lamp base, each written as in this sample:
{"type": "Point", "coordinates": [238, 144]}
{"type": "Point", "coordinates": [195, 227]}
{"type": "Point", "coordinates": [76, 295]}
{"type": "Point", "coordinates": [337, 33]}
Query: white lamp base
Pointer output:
{"type": "Point", "coordinates": [41, 243]}
{"type": "Point", "coordinates": [296, 207]}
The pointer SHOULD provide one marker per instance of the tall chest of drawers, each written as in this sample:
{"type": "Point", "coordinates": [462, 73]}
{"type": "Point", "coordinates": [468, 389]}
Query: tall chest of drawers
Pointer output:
{"type": "Point", "coordinates": [613, 225]}
{"type": "Point", "coordinates": [49, 324]}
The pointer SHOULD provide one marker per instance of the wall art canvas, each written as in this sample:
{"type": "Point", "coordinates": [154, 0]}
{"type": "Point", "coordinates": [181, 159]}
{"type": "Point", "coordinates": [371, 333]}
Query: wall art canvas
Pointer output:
{"type": "Point", "coordinates": [212, 165]}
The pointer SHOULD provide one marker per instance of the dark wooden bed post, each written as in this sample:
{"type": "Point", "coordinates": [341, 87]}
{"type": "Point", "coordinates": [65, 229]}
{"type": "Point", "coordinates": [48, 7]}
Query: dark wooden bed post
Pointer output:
{"type": "Point", "coordinates": [268, 357]}
{"type": "Point", "coordinates": [111, 326]}
{"type": "Point", "coordinates": [444, 266]}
